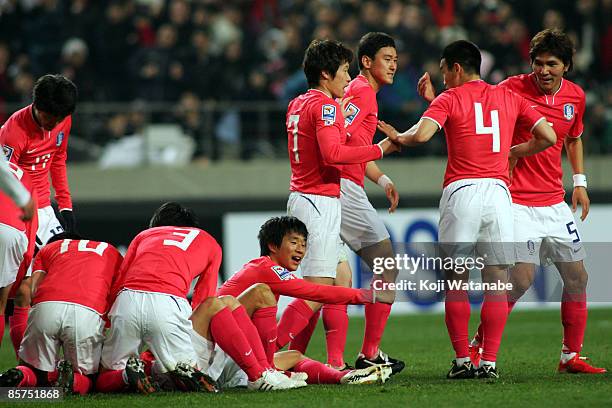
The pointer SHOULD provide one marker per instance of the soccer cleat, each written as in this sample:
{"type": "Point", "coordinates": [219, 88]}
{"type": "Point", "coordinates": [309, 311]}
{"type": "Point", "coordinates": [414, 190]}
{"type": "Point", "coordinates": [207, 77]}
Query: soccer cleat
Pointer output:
{"type": "Point", "coordinates": [465, 370]}
{"type": "Point", "coordinates": [136, 377]}
{"type": "Point", "coordinates": [192, 379]}
{"type": "Point", "coordinates": [298, 376]}
{"type": "Point", "coordinates": [487, 371]}
{"type": "Point", "coordinates": [11, 378]}
{"type": "Point", "coordinates": [475, 354]}
{"type": "Point", "coordinates": [377, 374]}
{"type": "Point", "coordinates": [65, 378]}
{"type": "Point", "coordinates": [579, 365]}
{"type": "Point", "coordinates": [381, 359]}
{"type": "Point", "coordinates": [272, 380]}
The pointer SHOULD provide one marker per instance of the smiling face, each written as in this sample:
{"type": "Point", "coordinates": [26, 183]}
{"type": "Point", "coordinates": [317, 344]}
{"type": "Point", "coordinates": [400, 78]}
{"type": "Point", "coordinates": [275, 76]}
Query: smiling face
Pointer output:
{"type": "Point", "coordinates": [383, 66]}
{"type": "Point", "coordinates": [336, 85]}
{"type": "Point", "coordinates": [548, 71]}
{"type": "Point", "coordinates": [291, 251]}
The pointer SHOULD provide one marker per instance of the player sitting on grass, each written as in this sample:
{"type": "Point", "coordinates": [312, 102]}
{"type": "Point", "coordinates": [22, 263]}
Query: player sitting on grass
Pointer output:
{"type": "Point", "coordinates": [282, 242]}
{"type": "Point", "coordinates": [71, 284]}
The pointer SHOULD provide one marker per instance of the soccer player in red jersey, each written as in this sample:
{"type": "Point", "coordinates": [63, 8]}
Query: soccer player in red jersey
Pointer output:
{"type": "Point", "coordinates": [35, 138]}
{"type": "Point", "coordinates": [17, 237]}
{"type": "Point", "coordinates": [71, 283]}
{"type": "Point", "coordinates": [317, 149]}
{"type": "Point", "coordinates": [16, 191]}
{"type": "Point", "coordinates": [361, 228]}
{"type": "Point", "coordinates": [476, 207]}
{"type": "Point", "coordinates": [543, 223]}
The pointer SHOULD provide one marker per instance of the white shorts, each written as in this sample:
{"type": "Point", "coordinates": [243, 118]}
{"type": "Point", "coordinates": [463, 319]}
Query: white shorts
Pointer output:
{"type": "Point", "coordinates": [13, 245]}
{"type": "Point", "coordinates": [321, 214]}
{"type": "Point", "coordinates": [546, 234]}
{"type": "Point", "coordinates": [78, 330]}
{"type": "Point", "coordinates": [360, 226]}
{"type": "Point", "coordinates": [48, 225]}
{"type": "Point", "coordinates": [158, 320]}
{"type": "Point", "coordinates": [476, 214]}
{"type": "Point", "coordinates": [217, 364]}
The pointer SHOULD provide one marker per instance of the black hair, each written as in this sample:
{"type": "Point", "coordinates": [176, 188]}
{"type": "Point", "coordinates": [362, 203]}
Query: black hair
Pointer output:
{"type": "Point", "coordinates": [371, 43]}
{"type": "Point", "coordinates": [464, 53]}
{"type": "Point", "coordinates": [554, 42]}
{"type": "Point", "coordinates": [273, 231]}
{"type": "Point", "coordinates": [64, 235]}
{"type": "Point", "coordinates": [55, 95]}
{"type": "Point", "coordinates": [324, 56]}
{"type": "Point", "coordinates": [173, 214]}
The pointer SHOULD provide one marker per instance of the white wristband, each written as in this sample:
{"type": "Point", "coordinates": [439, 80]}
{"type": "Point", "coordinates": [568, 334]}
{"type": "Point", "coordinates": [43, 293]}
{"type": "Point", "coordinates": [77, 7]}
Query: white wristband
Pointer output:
{"type": "Point", "coordinates": [383, 181]}
{"type": "Point", "coordinates": [580, 180]}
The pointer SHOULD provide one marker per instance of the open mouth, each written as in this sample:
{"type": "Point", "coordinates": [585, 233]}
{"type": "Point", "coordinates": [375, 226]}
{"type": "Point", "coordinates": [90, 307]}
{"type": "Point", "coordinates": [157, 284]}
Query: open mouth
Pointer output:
{"type": "Point", "coordinates": [296, 259]}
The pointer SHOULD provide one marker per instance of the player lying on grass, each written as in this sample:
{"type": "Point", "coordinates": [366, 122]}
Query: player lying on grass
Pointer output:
{"type": "Point", "coordinates": [476, 208]}
{"type": "Point", "coordinates": [248, 365]}
{"type": "Point", "coordinates": [282, 242]}
{"type": "Point", "coordinates": [72, 280]}
{"type": "Point", "coordinates": [151, 308]}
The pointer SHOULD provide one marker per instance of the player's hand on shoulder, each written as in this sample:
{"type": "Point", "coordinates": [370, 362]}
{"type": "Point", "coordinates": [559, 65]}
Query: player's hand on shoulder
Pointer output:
{"type": "Point", "coordinates": [580, 196]}
{"type": "Point", "coordinates": [425, 88]}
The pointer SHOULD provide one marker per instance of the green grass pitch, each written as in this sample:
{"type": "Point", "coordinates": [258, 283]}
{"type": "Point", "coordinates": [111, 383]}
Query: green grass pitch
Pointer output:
{"type": "Point", "coordinates": [527, 362]}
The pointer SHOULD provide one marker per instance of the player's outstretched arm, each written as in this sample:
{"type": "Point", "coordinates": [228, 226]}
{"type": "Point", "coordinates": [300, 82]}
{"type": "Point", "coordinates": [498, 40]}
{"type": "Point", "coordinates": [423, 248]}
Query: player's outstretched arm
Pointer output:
{"type": "Point", "coordinates": [573, 147]}
{"type": "Point", "coordinates": [418, 134]}
{"type": "Point", "coordinates": [374, 173]}
{"type": "Point", "coordinates": [543, 137]}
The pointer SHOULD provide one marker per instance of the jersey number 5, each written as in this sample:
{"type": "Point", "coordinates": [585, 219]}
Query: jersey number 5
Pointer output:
{"type": "Point", "coordinates": [492, 130]}
{"type": "Point", "coordinates": [292, 127]}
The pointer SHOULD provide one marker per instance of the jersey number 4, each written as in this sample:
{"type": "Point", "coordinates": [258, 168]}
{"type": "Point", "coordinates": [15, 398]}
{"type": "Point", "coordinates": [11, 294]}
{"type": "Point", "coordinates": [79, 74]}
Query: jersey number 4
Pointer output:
{"type": "Point", "coordinates": [292, 127]}
{"type": "Point", "coordinates": [492, 130]}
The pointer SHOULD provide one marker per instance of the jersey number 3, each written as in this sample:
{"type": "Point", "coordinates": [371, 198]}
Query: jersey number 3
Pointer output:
{"type": "Point", "coordinates": [492, 130]}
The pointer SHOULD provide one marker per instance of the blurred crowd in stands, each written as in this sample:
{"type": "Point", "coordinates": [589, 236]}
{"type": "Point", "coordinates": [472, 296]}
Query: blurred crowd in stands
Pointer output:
{"type": "Point", "coordinates": [207, 57]}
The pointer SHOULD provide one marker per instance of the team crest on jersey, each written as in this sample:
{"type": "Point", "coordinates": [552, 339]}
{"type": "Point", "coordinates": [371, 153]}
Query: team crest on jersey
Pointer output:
{"type": "Point", "coordinates": [328, 114]}
{"type": "Point", "coordinates": [354, 112]}
{"type": "Point", "coordinates": [568, 111]}
{"type": "Point", "coordinates": [60, 139]}
{"type": "Point", "coordinates": [282, 273]}
{"type": "Point", "coordinates": [8, 152]}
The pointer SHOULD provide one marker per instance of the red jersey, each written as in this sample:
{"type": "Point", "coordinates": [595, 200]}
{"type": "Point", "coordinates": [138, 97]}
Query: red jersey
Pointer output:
{"type": "Point", "coordinates": [478, 120]}
{"type": "Point", "coordinates": [166, 260]}
{"type": "Point", "coordinates": [283, 282]}
{"type": "Point", "coordinates": [77, 271]}
{"type": "Point", "coordinates": [39, 152]}
{"type": "Point", "coordinates": [10, 215]}
{"type": "Point", "coordinates": [316, 137]}
{"type": "Point", "coordinates": [537, 180]}
{"type": "Point", "coordinates": [360, 124]}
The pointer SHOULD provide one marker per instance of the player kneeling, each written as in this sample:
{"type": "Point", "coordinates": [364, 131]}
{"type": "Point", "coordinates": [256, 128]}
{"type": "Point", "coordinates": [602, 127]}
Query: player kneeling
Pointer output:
{"type": "Point", "coordinates": [71, 283]}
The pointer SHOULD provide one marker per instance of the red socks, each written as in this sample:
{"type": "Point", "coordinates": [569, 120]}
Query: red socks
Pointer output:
{"type": "Point", "coordinates": [294, 319]}
{"type": "Point", "coordinates": [250, 331]}
{"type": "Point", "coordinates": [574, 318]}
{"type": "Point", "coordinates": [264, 320]}
{"type": "Point", "coordinates": [457, 316]}
{"type": "Point", "coordinates": [29, 377]}
{"type": "Point", "coordinates": [478, 336]}
{"type": "Point", "coordinates": [111, 381]}
{"type": "Point", "coordinates": [300, 343]}
{"type": "Point", "coordinates": [17, 325]}
{"type": "Point", "coordinates": [231, 339]}
{"type": "Point", "coordinates": [318, 373]}
{"type": "Point", "coordinates": [376, 315]}
{"type": "Point", "coordinates": [1, 328]}
{"type": "Point", "coordinates": [493, 315]}
{"type": "Point", "coordinates": [82, 384]}
{"type": "Point", "coordinates": [335, 321]}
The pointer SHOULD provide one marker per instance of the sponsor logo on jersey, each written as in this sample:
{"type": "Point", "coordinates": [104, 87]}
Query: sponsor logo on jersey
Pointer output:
{"type": "Point", "coordinates": [354, 112]}
{"type": "Point", "coordinates": [328, 114]}
{"type": "Point", "coordinates": [60, 139]}
{"type": "Point", "coordinates": [282, 273]}
{"type": "Point", "coordinates": [8, 152]}
{"type": "Point", "coordinates": [568, 111]}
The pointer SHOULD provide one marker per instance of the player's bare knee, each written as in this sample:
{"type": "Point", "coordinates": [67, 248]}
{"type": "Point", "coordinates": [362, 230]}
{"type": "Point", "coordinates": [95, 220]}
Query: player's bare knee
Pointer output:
{"type": "Point", "coordinates": [229, 301]}
{"type": "Point", "coordinates": [209, 307]}
{"type": "Point", "coordinates": [576, 282]}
